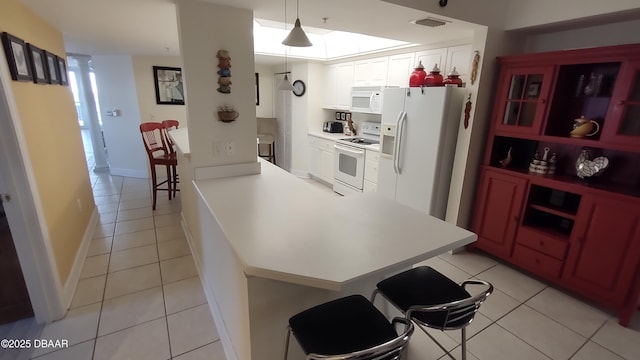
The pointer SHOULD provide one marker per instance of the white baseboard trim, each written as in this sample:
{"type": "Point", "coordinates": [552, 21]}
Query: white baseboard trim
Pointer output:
{"type": "Point", "coordinates": [300, 173]}
{"type": "Point", "coordinates": [222, 171]}
{"type": "Point", "coordinates": [69, 288]}
{"type": "Point", "coordinates": [129, 172]}
{"type": "Point", "coordinates": [211, 300]}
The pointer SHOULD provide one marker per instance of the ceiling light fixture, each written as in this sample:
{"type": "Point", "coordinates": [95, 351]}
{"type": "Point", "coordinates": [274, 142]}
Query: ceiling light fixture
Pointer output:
{"type": "Point", "coordinates": [296, 37]}
{"type": "Point", "coordinates": [285, 84]}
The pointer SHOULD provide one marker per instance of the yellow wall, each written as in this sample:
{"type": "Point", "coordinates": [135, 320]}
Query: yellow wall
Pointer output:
{"type": "Point", "coordinates": [49, 122]}
{"type": "Point", "coordinates": [149, 110]}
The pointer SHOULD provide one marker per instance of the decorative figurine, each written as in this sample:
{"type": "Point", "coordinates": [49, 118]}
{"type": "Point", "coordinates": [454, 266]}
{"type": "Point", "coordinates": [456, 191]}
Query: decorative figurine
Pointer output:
{"type": "Point", "coordinates": [506, 161]}
{"type": "Point", "coordinates": [224, 63]}
{"type": "Point", "coordinates": [474, 67]}
{"type": "Point", "coordinates": [227, 113]}
{"type": "Point", "coordinates": [586, 168]}
{"type": "Point", "coordinates": [467, 111]}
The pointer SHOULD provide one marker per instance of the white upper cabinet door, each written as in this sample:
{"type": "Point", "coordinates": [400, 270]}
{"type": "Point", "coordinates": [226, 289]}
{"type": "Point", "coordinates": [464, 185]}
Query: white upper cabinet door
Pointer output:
{"type": "Point", "coordinates": [400, 68]}
{"type": "Point", "coordinates": [344, 84]}
{"type": "Point", "coordinates": [429, 58]}
{"type": "Point", "coordinates": [460, 57]}
{"type": "Point", "coordinates": [330, 86]}
{"type": "Point", "coordinates": [370, 72]}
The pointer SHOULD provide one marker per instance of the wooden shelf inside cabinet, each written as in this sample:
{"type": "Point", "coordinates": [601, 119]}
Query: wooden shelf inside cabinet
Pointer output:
{"type": "Point", "coordinates": [548, 232]}
{"type": "Point", "coordinates": [558, 212]}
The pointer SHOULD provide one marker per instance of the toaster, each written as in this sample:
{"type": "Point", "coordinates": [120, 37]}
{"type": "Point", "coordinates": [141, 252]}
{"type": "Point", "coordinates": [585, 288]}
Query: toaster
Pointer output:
{"type": "Point", "coordinates": [333, 127]}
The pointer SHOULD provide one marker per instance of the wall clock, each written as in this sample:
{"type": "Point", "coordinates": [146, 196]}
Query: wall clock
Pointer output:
{"type": "Point", "coordinates": [299, 88]}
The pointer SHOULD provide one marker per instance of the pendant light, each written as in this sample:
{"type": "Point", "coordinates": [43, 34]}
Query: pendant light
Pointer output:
{"type": "Point", "coordinates": [297, 37]}
{"type": "Point", "coordinates": [285, 84]}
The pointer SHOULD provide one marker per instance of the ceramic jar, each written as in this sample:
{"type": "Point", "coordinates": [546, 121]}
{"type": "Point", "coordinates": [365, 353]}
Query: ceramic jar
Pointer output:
{"type": "Point", "coordinates": [417, 76]}
{"type": "Point", "coordinates": [453, 78]}
{"type": "Point", "coordinates": [434, 78]}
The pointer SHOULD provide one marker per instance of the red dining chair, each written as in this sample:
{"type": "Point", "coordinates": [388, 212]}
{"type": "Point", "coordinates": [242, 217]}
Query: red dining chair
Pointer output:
{"type": "Point", "coordinates": [171, 125]}
{"type": "Point", "coordinates": [158, 152]}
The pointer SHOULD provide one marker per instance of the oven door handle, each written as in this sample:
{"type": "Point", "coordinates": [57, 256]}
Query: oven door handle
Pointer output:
{"type": "Point", "coordinates": [358, 153]}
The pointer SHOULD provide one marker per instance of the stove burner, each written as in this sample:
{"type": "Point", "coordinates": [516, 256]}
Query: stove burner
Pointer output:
{"type": "Point", "coordinates": [361, 141]}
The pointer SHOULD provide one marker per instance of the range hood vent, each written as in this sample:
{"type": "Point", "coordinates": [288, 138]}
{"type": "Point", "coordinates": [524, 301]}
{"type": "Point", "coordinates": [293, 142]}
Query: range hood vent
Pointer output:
{"type": "Point", "coordinates": [430, 22]}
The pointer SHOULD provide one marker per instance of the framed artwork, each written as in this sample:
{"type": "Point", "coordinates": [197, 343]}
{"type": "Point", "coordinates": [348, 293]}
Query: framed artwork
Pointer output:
{"type": "Point", "coordinates": [169, 86]}
{"type": "Point", "coordinates": [533, 90]}
{"type": "Point", "coordinates": [62, 71]}
{"type": "Point", "coordinates": [38, 64]}
{"type": "Point", "coordinates": [257, 89]}
{"type": "Point", "coordinates": [52, 67]}
{"type": "Point", "coordinates": [16, 51]}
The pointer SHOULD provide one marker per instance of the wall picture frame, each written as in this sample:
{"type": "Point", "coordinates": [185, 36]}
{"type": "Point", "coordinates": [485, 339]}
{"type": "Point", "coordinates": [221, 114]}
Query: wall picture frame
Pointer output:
{"type": "Point", "coordinates": [52, 67]}
{"type": "Point", "coordinates": [16, 52]}
{"type": "Point", "coordinates": [62, 71]}
{"type": "Point", "coordinates": [169, 85]}
{"type": "Point", "coordinates": [38, 64]}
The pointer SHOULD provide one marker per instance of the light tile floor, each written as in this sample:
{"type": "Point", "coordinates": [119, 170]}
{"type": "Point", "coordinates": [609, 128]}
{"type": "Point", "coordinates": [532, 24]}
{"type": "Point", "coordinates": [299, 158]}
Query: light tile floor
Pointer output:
{"type": "Point", "coordinates": [140, 298]}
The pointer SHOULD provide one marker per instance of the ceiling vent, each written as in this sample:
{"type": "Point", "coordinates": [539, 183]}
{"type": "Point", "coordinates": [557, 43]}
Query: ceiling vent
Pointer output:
{"type": "Point", "coordinates": [430, 22]}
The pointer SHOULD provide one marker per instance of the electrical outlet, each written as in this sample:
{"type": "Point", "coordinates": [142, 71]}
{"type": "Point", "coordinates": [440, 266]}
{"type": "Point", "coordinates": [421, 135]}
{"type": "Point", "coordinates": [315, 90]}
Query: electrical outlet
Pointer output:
{"type": "Point", "coordinates": [231, 148]}
{"type": "Point", "coordinates": [218, 149]}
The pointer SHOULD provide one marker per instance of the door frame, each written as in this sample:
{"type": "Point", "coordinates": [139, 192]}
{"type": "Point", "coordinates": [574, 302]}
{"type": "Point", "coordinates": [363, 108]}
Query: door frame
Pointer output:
{"type": "Point", "coordinates": [24, 210]}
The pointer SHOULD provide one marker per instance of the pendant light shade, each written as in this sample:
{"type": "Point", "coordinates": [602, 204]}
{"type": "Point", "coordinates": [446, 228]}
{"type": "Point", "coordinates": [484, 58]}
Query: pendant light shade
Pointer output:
{"type": "Point", "coordinates": [285, 84]}
{"type": "Point", "coordinates": [297, 37]}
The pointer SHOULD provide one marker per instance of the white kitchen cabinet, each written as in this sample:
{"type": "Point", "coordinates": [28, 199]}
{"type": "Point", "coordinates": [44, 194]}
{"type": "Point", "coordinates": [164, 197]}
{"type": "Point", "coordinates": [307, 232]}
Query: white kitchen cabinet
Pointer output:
{"type": "Point", "coordinates": [460, 57]}
{"type": "Point", "coordinates": [321, 158]}
{"type": "Point", "coordinates": [371, 170]}
{"type": "Point", "coordinates": [371, 72]}
{"type": "Point", "coordinates": [430, 58]}
{"type": "Point", "coordinates": [344, 83]}
{"type": "Point", "coordinates": [400, 68]}
{"type": "Point", "coordinates": [331, 84]}
{"type": "Point", "coordinates": [339, 80]}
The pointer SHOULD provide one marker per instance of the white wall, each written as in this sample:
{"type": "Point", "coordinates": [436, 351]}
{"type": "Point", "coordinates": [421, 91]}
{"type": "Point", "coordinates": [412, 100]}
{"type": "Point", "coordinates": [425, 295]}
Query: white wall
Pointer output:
{"type": "Point", "coordinates": [149, 109]}
{"type": "Point", "coordinates": [117, 90]}
{"type": "Point", "coordinates": [626, 32]}
{"type": "Point", "coordinates": [266, 107]}
{"type": "Point", "coordinates": [204, 29]}
{"type": "Point", "coordinates": [527, 13]}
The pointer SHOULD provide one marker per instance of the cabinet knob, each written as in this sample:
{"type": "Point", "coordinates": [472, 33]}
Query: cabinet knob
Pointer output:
{"type": "Point", "coordinates": [543, 101]}
{"type": "Point", "coordinates": [621, 102]}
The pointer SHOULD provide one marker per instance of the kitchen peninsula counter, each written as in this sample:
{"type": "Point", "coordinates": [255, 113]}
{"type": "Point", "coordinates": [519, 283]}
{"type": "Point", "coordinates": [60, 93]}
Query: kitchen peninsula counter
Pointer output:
{"type": "Point", "coordinates": [270, 245]}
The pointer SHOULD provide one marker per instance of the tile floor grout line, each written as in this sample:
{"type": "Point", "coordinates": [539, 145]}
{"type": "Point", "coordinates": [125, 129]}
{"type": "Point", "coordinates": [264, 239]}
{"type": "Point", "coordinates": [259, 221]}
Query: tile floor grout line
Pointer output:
{"type": "Point", "coordinates": [194, 349]}
{"type": "Point", "coordinates": [164, 300]}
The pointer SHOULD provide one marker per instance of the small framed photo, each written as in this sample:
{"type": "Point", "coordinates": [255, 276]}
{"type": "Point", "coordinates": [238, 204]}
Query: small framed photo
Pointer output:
{"type": "Point", "coordinates": [348, 116]}
{"type": "Point", "coordinates": [338, 115]}
{"type": "Point", "coordinates": [38, 64]}
{"type": "Point", "coordinates": [52, 67]}
{"type": "Point", "coordinates": [62, 71]}
{"type": "Point", "coordinates": [169, 86]}
{"type": "Point", "coordinates": [533, 90]}
{"type": "Point", "coordinates": [16, 51]}
{"type": "Point", "coordinates": [343, 116]}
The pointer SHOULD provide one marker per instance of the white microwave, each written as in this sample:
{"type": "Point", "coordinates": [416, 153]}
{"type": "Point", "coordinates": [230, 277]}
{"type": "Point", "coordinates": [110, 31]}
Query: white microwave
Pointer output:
{"type": "Point", "coordinates": [367, 99]}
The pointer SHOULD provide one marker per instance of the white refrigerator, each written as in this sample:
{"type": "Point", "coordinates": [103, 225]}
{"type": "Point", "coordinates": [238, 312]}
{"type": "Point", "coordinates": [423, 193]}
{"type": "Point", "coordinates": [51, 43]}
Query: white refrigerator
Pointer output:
{"type": "Point", "coordinates": [418, 142]}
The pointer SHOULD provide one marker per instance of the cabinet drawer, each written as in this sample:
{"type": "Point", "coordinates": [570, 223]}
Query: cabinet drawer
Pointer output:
{"type": "Point", "coordinates": [542, 242]}
{"type": "Point", "coordinates": [536, 262]}
{"type": "Point", "coordinates": [371, 171]}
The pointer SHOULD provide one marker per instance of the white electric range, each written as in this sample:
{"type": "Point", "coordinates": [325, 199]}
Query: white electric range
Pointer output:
{"type": "Point", "coordinates": [349, 159]}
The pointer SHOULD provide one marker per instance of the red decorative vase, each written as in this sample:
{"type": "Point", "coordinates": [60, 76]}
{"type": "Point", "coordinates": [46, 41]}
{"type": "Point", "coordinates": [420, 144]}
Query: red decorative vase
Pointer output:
{"type": "Point", "coordinates": [453, 78]}
{"type": "Point", "coordinates": [417, 76]}
{"type": "Point", "coordinates": [434, 78]}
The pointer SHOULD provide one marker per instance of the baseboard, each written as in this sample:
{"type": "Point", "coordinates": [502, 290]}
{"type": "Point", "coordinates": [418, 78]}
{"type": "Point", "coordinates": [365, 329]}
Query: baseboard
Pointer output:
{"type": "Point", "coordinates": [223, 171]}
{"type": "Point", "coordinates": [69, 288]}
{"type": "Point", "coordinates": [300, 173]}
{"type": "Point", "coordinates": [211, 300]}
{"type": "Point", "coordinates": [129, 173]}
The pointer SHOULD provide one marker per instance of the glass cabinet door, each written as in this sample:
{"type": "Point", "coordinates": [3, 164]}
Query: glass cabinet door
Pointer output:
{"type": "Point", "coordinates": [625, 110]}
{"type": "Point", "coordinates": [524, 93]}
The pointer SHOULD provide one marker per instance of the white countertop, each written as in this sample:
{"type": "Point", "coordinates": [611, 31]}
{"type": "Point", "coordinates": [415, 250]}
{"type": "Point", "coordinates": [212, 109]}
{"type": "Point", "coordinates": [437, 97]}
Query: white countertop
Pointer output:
{"type": "Point", "coordinates": [283, 228]}
{"type": "Point", "coordinates": [180, 137]}
{"type": "Point", "coordinates": [337, 136]}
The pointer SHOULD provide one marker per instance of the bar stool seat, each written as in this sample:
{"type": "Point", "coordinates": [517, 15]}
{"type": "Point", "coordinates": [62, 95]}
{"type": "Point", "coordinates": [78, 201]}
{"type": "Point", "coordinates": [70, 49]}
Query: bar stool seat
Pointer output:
{"type": "Point", "coordinates": [432, 300]}
{"type": "Point", "coordinates": [347, 328]}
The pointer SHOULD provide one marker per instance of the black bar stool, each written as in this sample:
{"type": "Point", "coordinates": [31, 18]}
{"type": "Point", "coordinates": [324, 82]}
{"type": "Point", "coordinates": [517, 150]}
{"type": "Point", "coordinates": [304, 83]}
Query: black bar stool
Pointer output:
{"type": "Point", "coordinates": [348, 328]}
{"type": "Point", "coordinates": [432, 300]}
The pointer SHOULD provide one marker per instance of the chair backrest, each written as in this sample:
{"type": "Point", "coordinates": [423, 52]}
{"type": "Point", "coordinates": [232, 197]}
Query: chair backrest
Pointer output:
{"type": "Point", "coordinates": [394, 349]}
{"type": "Point", "coordinates": [453, 315]}
{"type": "Point", "coordinates": [153, 138]}
{"type": "Point", "coordinates": [169, 125]}
{"type": "Point", "coordinates": [267, 126]}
